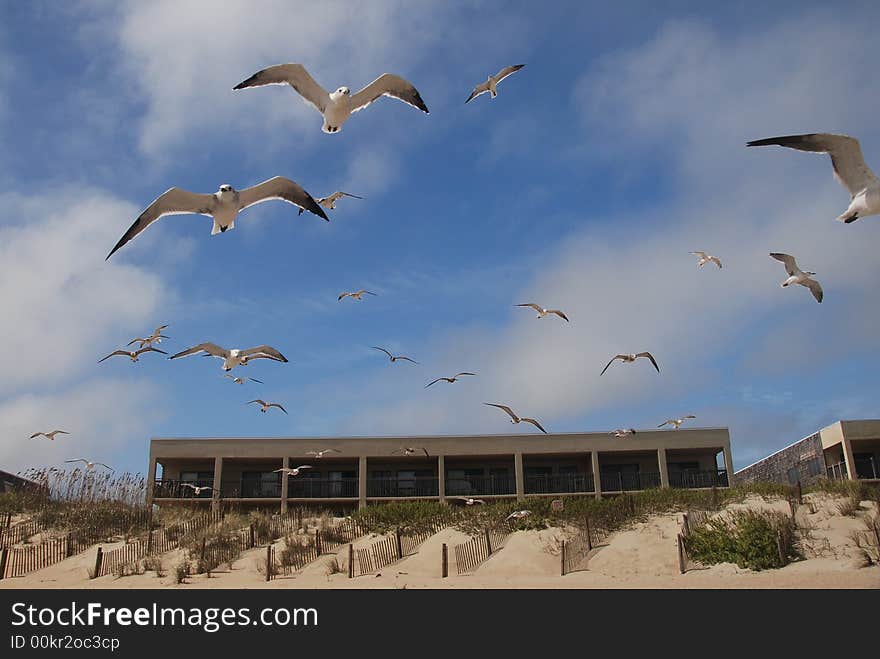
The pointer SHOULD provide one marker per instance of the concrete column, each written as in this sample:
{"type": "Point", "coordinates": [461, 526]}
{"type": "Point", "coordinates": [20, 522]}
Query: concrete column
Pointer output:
{"type": "Point", "coordinates": [362, 482]}
{"type": "Point", "coordinates": [151, 481]}
{"type": "Point", "coordinates": [218, 479]}
{"type": "Point", "coordinates": [285, 464]}
{"type": "Point", "coordinates": [597, 478]}
{"type": "Point", "coordinates": [728, 465]}
{"type": "Point", "coordinates": [849, 459]}
{"type": "Point", "coordinates": [441, 477]}
{"type": "Point", "coordinates": [520, 480]}
{"type": "Point", "coordinates": [664, 470]}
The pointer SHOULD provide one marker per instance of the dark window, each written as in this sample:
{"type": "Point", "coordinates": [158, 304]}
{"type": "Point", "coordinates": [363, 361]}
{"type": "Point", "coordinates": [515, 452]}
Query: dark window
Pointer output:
{"type": "Point", "coordinates": [814, 467]}
{"type": "Point", "coordinates": [794, 475]}
{"type": "Point", "coordinates": [685, 466]}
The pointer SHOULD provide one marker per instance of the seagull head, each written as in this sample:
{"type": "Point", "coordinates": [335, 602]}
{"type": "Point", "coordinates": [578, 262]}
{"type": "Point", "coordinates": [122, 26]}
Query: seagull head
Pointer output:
{"type": "Point", "coordinates": [226, 188]}
{"type": "Point", "coordinates": [344, 90]}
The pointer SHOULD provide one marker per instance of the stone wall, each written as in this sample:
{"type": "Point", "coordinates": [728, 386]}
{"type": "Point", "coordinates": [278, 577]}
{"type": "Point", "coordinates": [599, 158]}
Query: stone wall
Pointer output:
{"type": "Point", "coordinates": [803, 460]}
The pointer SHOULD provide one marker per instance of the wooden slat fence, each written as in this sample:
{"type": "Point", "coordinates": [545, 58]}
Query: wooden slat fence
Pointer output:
{"type": "Point", "coordinates": [471, 554]}
{"type": "Point", "coordinates": [690, 521]}
{"type": "Point", "coordinates": [293, 558]}
{"type": "Point", "coordinates": [373, 558]}
{"type": "Point", "coordinates": [12, 535]}
{"type": "Point", "coordinates": [24, 560]}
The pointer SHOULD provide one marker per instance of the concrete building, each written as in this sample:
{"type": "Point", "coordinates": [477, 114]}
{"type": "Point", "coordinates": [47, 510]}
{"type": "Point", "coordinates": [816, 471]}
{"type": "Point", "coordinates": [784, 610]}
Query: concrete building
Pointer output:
{"type": "Point", "coordinates": [843, 450]}
{"type": "Point", "coordinates": [365, 470]}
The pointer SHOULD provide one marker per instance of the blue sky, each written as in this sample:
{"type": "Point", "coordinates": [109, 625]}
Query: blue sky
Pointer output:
{"type": "Point", "coordinates": [584, 185]}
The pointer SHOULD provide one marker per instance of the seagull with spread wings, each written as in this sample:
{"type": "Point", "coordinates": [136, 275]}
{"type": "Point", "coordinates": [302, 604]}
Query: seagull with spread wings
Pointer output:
{"type": "Point", "coordinates": [454, 378]}
{"type": "Point", "coordinates": [849, 166]}
{"type": "Point", "coordinates": [470, 501]}
{"type": "Point", "coordinates": [491, 83]}
{"type": "Point", "coordinates": [357, 295]}
{"type": "Point", "coordinates": [329, 202]}
{"type": "Point", "coordinates": [320, 454]}
{"type": "Point", "coordinates": [705, 258]}
{"type": "Point", "coordinates": [394, 358]}
{"type": "Point", "coordinates": [336, 107]}
{"type": "Point", "coordinates": [198, 489]}
{"type": "Point", "coordinates": [291, 471]}
{"type": "Point", "coordinates": [234, 357]}
{"type": "Point", "coordinates": [517, 419]}
{"type": "Point", "coordinates": [237, 380]}
{"type": "Point", "coordinates": [410, 450]}
{"type": "Point", "coordinates": [264, 406]}
{"type": "Point", "coordinates": [50, 435]}
{"type": "Point", "coordinates": [90, 465]}
{"type": "Point", "coordinates": [543, 312]}
{"type": "Point", "coordinates": [223, 206]}
{"type": "Point", "coordinates": [798, 276]}
{"type": "Point", "coordinates": [623, 432]}
{"type": "Point", "coordinates": [631, 358]}
{"type": "Point", "coordinates": [517, 514]}
{"type": "Point", "coordinates": [676, 422]}
{"type": "Point", "coordinates": [132, 354]}
{"type": "Point", "coordinates": [155, 336]}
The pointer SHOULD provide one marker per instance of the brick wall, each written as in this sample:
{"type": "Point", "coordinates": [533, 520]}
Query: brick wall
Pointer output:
{"type": "Point", "coordinates": [802, 461]}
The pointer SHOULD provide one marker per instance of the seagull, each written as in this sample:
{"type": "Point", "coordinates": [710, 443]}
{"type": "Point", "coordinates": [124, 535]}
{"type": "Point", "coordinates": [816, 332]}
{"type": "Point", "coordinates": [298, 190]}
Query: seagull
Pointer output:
{"type": "Point", "coordinates": [338, 106]}
{"type": "Point", "coordinates": [410, 450]}
{"type": "Point", "coordinates": [516, 419]}
{"type": "Point", "coordinates": [849, 166]}
{"type": "Point", "coordinates": [492, 82]}
{"type": "Point", "coordinates": [320, 454]}
{"type": "Point", "coordinates": [50, 435]}
{"type": "Point", "coordinates": [291, 471]}
{"type": "Point", "coordinates": [798, 276]}
{"type": "Point", "coordinates": [631, 358]}
{"type": "Point", "coordinates": [392, 357]}
{"type": "Point", "coordinates": [90, 465]}
{"type": "Point", "coordinates": [705, 258]}
{"type": "Point", "coordinates": [623, 432]}
{"type": "Point", "coordinates": [234, 357]}
{"type": "Point", "coordinates": [543, 312]}
{"type": "Point", "coordinates": [357, 295]}
{"type": "Point", "coordinates": [329, 202]}
{"type": "Point", "coordinates": [450, 380]}
{"type": "Point", "coordinates": [469, 501]}
{"type": "Point", "coordinates": [223, 206]}
{"type": "Point", "coordinates": [516, 514]}
{"type": "Point", "coordinates": [676, 422]}
{"type": "Point", "coordinates": [134, 354]}
{"type": "Point", "coordinates": [265, 406]}
{"type": "Point", "coordinates": [198, 489]}
{"type": "Point", "coordinates": [241, 380]}
{"type": "Point", "coordinates": [148, 341]}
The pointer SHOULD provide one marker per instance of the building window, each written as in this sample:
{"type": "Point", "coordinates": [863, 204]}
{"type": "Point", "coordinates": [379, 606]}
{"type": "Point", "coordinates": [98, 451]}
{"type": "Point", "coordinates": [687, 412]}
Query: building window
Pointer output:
{"type": "Point", "coordinates": [814, 467]}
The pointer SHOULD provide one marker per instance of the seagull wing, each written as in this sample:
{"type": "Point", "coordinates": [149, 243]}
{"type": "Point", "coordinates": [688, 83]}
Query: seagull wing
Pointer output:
{"type": "Point", "coordinates": [649, 356]}
{"type": "Point", "coordinates": [846, 156]}
{"type": "Point", "coordinates": [715, 260]}
{"type": "Point", "coordinates": [212, 349]}
{"type": "Point", "coordinates": [408, 359]}
{"type": "Point", "coordinates": [137, 340]}
{"type": "Point", "coordinates": [304, 467]}
{"type": "Point", "coordinates": [279, 406]}
{"type": "Point", "coordinates": [689, 416]}
{"type": "Point", "coordinates": [534, 306]}
{"type": "Point", "coordinates": [255, 380]}
{"type": "Point", "coordinates": [256, 400]}
{"type": "Point", "coordinates": [362, 291]}
{"type": "Point", "coordinates": [78, 460]}
{"type": "Point", "coordinates": [383, 350]}
{"type": "Point", "coordinates": [189, 485]}
{"type": "Point", "coordinates": [149, 349]}
{"type": "Point", "coordinates": [815, 289]}
{"type": "Point", "coordinates": [340, 193]}
{"type": "Point", "coordinates": [434, 382]}
{"type": "Point", "coordinates": [611, 362]}
{"type": "Point", "coordinates": [506, 71]}
{"type": "Point", "coordinates": [37, 434]}
{"type": "Point", "coordinates": [281, 188]}
{"type": "Point", "coordinates": [791, 266]}
{"type": "Point", "coordinates": [535, 423]}
{"type": "Point", "coordinates": [702, 255]}
{"type": "Point", "coordinates": [559, 313]}
{"type": "Point", "coordinates": [294, 75]}
{"type": "Point", "coordinates": [103, 465]}
{"type": "Point", "coordinates": [665, 423]}
{"type": "Point", "coordinates": [482, 88]}
{"type": "Point", "coordinates": [264, 352]}
{"type": "Point", "coordinates": [506, 409]}
{"type": "Point", "coordinates": [460, 374]}
{"type": "Point", "coordinates": [174, 201]}
{"type": "Point", "coordinates": [391, 85]}
{"type": "Point", "coordinates": [114, 353]}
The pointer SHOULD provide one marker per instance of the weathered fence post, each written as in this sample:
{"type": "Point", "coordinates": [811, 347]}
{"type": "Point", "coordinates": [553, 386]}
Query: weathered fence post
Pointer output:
{"type": "Point", "coordinates": [488, 543]}
{"type": "Point", "coordinates": [202, 551]}
{"type": "Point", "coordinates": [714, 497]}
{"type": "Point", "coordinates": [350, 561]}
{"type": "Point", "coordinates": [4, 553]}
{"type": "Point", "coordinates": [681, 564]}
{"type": "Point", "coordinates": [561, 560]}
{"type": "Point", "coordinates": [318, 542]}
{"type": "Point", "coordinates": [685, 525]}
{"type": "Point", "coordinates": [99, 558]}
{"type": "Point", "coordinates": [589, 537]}
{"type": "Point", "coordinates": [399, 545]}
{"type": "Point", "coordinates": [444, 561]}
{"type": "Point", "coordinates": [782, 560]}
{"type": "Point", "coordinates": [251, 536]}
{"type": "Point", "coordinates": [269, 565]}
{"type": "Point", "coordinates": [800, 493]}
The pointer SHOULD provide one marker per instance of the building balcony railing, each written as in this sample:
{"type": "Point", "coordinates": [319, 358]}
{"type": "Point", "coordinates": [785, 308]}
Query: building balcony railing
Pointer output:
{"type": "Point", "coordinates": [837, 472]}
{"type": "Point", "coordinates": [559, 484]}
{"type": "Point", "coordinates": [418, 486]}
{"type": "Point", "coordinates": [322, 488]}
{"type": "Point", "coordinates": [627, 482]}
{"type": "Point", "coordinates": [697, 479]}
{"type": "Point", "coordinates": [480, 485]}
{"type": "Point", "coordinates": [177, 489]}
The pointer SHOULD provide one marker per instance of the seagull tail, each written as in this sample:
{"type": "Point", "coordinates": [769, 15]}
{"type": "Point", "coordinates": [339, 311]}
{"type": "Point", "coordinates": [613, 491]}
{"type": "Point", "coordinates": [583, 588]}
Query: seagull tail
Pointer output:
{"type": "Point", "coordinates": [215, 229]}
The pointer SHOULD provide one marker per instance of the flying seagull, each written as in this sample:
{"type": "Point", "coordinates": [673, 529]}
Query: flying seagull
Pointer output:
{"type": "Point", "coordinates": [198, 489]}
{"type": "Point", "coordinates": [392, 357]}
{"type": "Point", "coordinates": [676, 422]}
{"type": "Point", "coordinates": [798, 276]}
{"type": "Point", "coordinates": [338, 106]}
{"type": "Point", "coordinates": [291, 471]}
{"type": "Point", "coordinates": [492, 82]}
{"type": "Point", "coordinates": [223, 206]}
{"type": "Point", "coordinates": [265, 406]}
{"type": "Point", "coordinates": [516, 514]}
{"type": "Point", "coordinates": [516, 419]}
{"type": "Point", "coordinates": [329, 202]}
{"type": "Point", "coordinates": [623, 432]}
{"type": "Point", "coordinates": [631, 358]}
{"type": "Point", "coordinates": [234, 357]}
{"type": "Point", "coordinates": [543, 312]}
{"type": "Point", "coordinates": [410, 450]}
{"type": "Point", "coordinates": [450, 380]}
{"type": "Point", "coordinates": [241, 380]}
{"type": "Point", "coordinates": [470, 501]}
{"type": "Point", "coordinates": [705, 258]}
{"type": "Point", "coordinates": [50, 435]}
{"type": "Point", "coordinates": [357, 295]}
{"type": "Point", "coordinates": [849, 166]}
{"type": "Point", "coordinates": [148, 341]}
{"type": "Point", "coordinates": [90, 465]}
{"type": "Point", "coordinates": [133, 354]}
{"type": "Point", "coordinates": [320, 454]}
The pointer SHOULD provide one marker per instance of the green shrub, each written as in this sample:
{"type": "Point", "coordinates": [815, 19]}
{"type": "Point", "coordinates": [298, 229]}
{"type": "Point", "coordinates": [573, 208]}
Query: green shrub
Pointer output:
{"type": "Point", "coordinates": [747, 538]}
